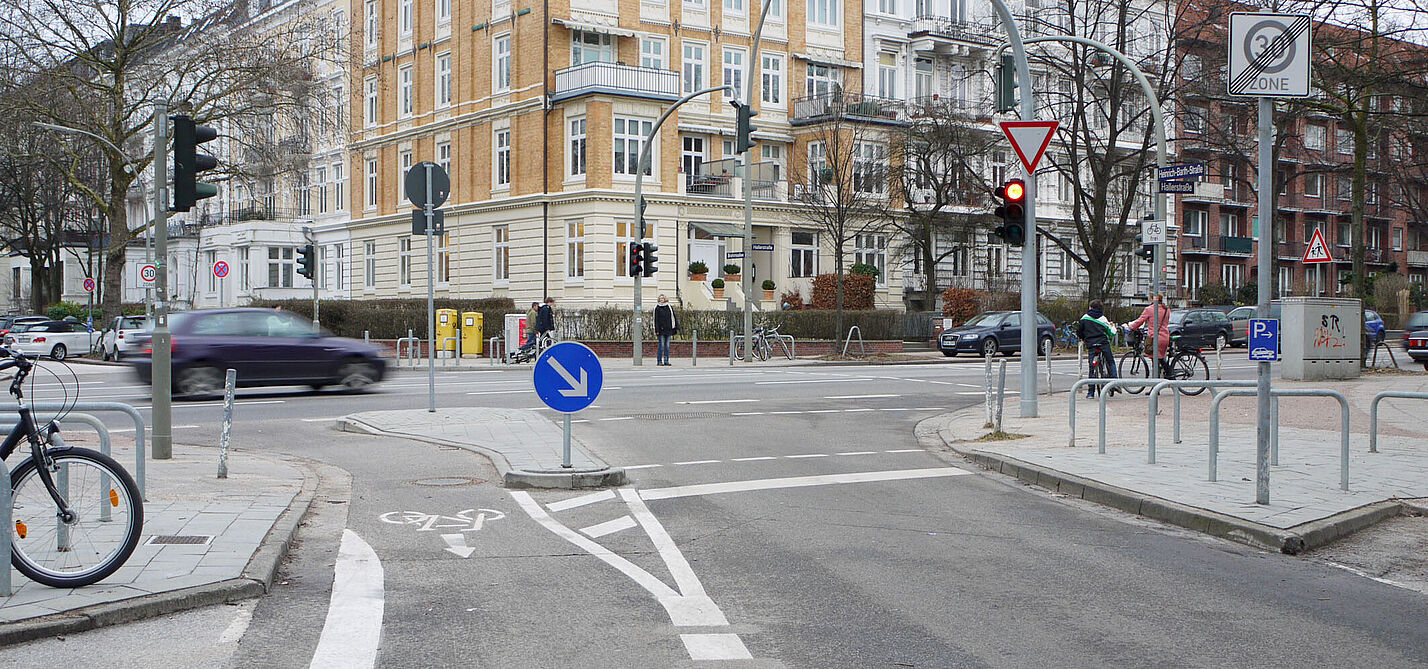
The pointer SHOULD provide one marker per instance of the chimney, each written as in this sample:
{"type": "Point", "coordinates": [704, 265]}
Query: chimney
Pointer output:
{"type": "Point", "coordinates": [173, 23]}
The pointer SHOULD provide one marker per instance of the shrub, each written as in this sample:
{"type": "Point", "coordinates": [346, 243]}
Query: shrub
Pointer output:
{"type": "Point", "coordinates": [698, 267]}
{"type": "Point", "coordinates": [1215, 293]}
{"type": "Point", "coordinates": [858, 291]}
{"type": "Point", "coordinates": [791, 300]}
{"type": "Point", "coordinates": [62, 310]}
{"type": "Point", "coordinates": [391, 318]}
{"type": "Point", "coordinates": [960, 304]}
{"type": "Point", "coordinates": [768, 284]}
{"type": "Point", "coordinates": [1385, 294]}
{"type": "Point", "coordinates": [1248, 293]}
{"type": "Point", "coordinates": [717, 283]}
{"type": "Point", "coordinates": [731, 269]}
{"type": "Point", "coordinates": [864, 269]}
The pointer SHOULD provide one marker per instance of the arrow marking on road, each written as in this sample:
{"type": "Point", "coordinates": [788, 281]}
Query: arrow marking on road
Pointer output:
{"type": "Point", "coordinates": [579, 388]}
{"type": "Point", "coordinates": [456, 545]}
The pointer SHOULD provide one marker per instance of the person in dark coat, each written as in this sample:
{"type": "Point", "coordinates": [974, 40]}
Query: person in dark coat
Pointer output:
{"type": "Point", "coordinates": [1097, 331]}
{"type": "Point", "coordinates": [545, 317]}
{"type": "Point", "coordinates": [666, 326]}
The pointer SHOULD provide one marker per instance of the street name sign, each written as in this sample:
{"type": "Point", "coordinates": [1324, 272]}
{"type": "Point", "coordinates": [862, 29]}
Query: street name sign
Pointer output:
{"type": "Point", "coordinates": [734, 255]}
{"type": "Point", "coordinates": [1269, 55]}
{"type": "Point", "coordinates": [1152, 231]}
{"type": "Point", "coordinates": [763, 247]}
{"type": "Point", "coordinates": [1182, 171]}
{"type": "Point", "coordinates": [1264, 339]}
{"type": "Point", "coordinates": [568, 377]}
{"type": "Point", "coordinates": [1183, 187]}
{"type": "Point", "coordinates": [1317, 250]}
{"type": "Point", "coordinates": [1029, 139]}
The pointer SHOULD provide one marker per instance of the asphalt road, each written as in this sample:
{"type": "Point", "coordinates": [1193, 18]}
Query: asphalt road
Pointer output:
{"type": "Point", "coordinates": [928, 564]}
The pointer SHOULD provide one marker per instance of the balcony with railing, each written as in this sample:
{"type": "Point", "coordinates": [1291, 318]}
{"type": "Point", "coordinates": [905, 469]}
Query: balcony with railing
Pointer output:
{"type": "Point", "coordinates": [849, 105]}
{"type": "Point", "coordinates": [1193, 244]}
{"type": "Point", "coordinates": [616, 79]}
{"type": "Point", "coordinates": [725, 179]}
{"type": "Point", "coordinates": [1418, 258]}
{"type": "Point", "coordinates": [1289, 250]}
{"type": "Point", "coordinates": [1235, 245]}
{"type": "Point", "coordinates": [945, 31]}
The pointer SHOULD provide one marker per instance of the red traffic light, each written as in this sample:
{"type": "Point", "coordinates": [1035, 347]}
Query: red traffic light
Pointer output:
{"type": "Point", "coordinates": [1014, 190]}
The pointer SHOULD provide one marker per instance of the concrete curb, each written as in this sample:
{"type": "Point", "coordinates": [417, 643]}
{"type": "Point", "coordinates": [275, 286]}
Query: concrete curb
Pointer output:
{"type": "Point", "coordinates": [1289, 541]}
{"type": "Point", "coordinates": [571, 479]}
{"type": "Point", "coordinates": [256, 581]}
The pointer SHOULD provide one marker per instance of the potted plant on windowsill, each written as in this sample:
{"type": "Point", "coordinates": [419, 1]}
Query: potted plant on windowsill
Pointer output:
{"type": "Point", "coordinates": [718, 286]}
{"type": "Point", "coordinates": [768, 286]}
{"type": "Point", "coordinates": [731, 273]}
{"type": "Point", "coordinates": [698, 271]}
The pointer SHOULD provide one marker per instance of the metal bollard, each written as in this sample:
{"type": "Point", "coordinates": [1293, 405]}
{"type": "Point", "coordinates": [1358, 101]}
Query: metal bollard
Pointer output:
{"type": "Point", "coordinates": [694, 348]}
{"type": "Point", "coordinates": [6, 521]}
{"type": "Point", "coordinates": [366, 336]}
{"type": "Point", "coordinates": [230, 380]}
{"type": "Point", "coordinates": [731, 348]}
{"type": "Point", "coordinates": [61, 476]}
{"type": "Point", "coordinates": [1219, 361]}
{"type": "Point", "coordinates": [1048, 375]}
{"type": "Point", "coordinates": [988, 393]}
{"type": "Point", "coordinates": [1001, 394]}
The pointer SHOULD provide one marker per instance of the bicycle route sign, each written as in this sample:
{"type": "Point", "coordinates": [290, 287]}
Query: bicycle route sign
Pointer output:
{"type": "Point", "coordinates": [1269, 55]}
{"type": "Point", "coordinates": [568, 377]}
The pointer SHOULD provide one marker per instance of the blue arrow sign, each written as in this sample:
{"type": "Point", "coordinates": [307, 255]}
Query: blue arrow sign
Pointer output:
{"type": "Point", "coordinates": [1264, 339]}
{"type": "Point", "coordinates": [568, 377]}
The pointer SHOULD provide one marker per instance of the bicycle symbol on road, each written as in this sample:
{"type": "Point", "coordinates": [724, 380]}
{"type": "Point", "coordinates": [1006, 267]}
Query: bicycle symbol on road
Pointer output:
{"type": "Point", "coordinates": [470, 520]}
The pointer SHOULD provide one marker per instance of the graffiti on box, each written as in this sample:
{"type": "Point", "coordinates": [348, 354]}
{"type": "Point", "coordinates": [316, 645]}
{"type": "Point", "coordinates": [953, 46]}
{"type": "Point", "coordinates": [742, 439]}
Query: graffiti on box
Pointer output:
{"type": "Point", "coordinates": [1330, 333]}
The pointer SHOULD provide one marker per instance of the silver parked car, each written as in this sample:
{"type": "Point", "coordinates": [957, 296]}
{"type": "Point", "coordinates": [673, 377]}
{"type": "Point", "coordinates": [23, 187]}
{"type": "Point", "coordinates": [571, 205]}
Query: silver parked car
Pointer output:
{"type": "Point", "coordinates": [118, 339]}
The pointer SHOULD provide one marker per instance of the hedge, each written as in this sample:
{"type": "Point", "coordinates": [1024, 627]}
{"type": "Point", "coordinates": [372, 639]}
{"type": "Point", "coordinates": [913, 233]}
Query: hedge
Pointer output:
{"type": "Point", "coordinates": [613, 324]}
{"type": "Point", "coordinates": [390, 319]}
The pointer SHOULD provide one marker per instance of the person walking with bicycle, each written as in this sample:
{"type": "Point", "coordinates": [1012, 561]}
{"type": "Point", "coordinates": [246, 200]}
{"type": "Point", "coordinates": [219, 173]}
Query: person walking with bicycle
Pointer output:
{"type": "Point", "coordinates": [1156, 313]}
{"type": "Point", "coordinates": [666, 326]}
{"type": "Point", "coordinates": [545, 320]}
{"type": "Point", "coordinates": [1097, 331]}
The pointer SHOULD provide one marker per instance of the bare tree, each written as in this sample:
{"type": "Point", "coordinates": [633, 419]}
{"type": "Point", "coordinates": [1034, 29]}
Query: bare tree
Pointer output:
{"type": "Point", "coordinates": [110, 61]}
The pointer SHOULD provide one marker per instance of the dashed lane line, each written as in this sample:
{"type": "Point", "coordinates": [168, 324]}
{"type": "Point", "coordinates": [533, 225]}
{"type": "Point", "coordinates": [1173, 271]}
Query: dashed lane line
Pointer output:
{"type": "Point", "coordinates": [796, 482]}
{"type": "Point", "coordinates": [578, 501]}
{"type": "Point", "coordinates": [740, 401]}
{"type": "Point", "coordinates": [858, 397]}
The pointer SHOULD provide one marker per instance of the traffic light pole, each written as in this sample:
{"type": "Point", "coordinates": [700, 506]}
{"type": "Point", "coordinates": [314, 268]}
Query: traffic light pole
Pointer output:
{"type": "Point", "coordinates": [162, 357]}
{"type": "Point", "coordinates": [316, 299]}
{"type": "Point", "coordinates": [430, 210]}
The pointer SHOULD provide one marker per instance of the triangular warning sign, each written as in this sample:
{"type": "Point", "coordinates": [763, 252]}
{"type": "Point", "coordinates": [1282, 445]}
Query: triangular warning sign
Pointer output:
{"type": "Point", "coordinates": [1030, 139]}
{"type": "Point", "coordinates": [1318, 251]}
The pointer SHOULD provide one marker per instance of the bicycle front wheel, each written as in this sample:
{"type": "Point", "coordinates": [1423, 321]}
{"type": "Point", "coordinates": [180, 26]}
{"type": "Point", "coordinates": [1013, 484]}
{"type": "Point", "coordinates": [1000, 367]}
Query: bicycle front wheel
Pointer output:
{"type": "Point", "coordinates": [1187, 367]}
{"type": "Point", "coordinates": [1133, 366]}
{"type": "Point", "coordinates": [108, 518]}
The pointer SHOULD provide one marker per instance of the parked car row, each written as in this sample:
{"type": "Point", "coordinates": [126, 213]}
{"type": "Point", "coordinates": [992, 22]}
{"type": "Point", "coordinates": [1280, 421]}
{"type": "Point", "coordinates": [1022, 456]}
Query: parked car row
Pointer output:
{"type": "Point", "coordinates": [1374, 325]}
{"type": "Point", "coordinates": [994, 332]}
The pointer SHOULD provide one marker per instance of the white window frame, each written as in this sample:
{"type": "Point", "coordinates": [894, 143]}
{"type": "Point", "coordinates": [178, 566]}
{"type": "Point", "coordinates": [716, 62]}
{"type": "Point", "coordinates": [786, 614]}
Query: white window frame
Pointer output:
{"type": "Point", "coordinates": [339, 267]}
{"type": "Point", "coordinates": [772, 74]}
{"type": "Point", "coordinates": [406, 90]}
{"type": "Point", "coordinates": [443, 160]}
{"type": "Point", "coordinates": [923, 75]}
{"type": "Point", "coordinates": [1343, 141]}
{"type": "Point", "coordinates": [802, 255]}
{"type": "Point", "coordinates": [1313, 185]}
{"type": "Point", "coordinates": [868, 174]}
{"type": "Point", "coordinates": [319, 183]}
{"type": "Point", "coordinates": [694, 65]}
{"type": "Point", "coordinates": [405, 19]}
{"type": "Point", "coordinates": [404, 261]}
{"type": "Point", "coordinates": [575, 250]}
{"type": "Point", "coordinates": [822, 80]}
{"type": "Point", "coordinates": [772, 152]}
{"type": "Point", "coordinates": [735, 8]}
{"type": "Point", "coordinates": [372, 33]}
{"type": "Point", "coordinates": [443, 12]}
{"type": "Point", "coordinates": [654, 52]}
{"type": "Point", "coordinates": [577, 141]}
{"type": "Point", "coordinates": [369, 261]}
{"type": "Point", "coordinates": [887, 75]}
{"type": "Point", "coordinates": [501, 165]}
{"type": "Point", "coordinates": [1196, 222]}
{"type": "Point", "coordinates": [404, 163]}
{"type": "Point", "coordinates": [280, 266]}
{"type": "Point", "coordinates": [501, 244]}
{"type": "Point", "coordinates": [339, 186]}
{"type": "Point", "coordinates": [372, 108]}
{"type": "Point", "coordinates": [823, 13]}
{"type": "Point", "coordinates": [733, 72]}
{"type": "Point", "coordinates": [501, 63]}
{"type": "Point", "coordinates": [372, 183]}
{"type": "Point", "coordinates": [210, 258]}
{"type": "Point", "coordinates": [603, 48]}
{"type": "Point", "coordinates": [443, 259]}
{"type": "Point", "coordinates": [873, 246]}
{"type": "Point", "coordinates": [627, 146]}
{"type": "Point", "coordinates": [443, 80]}
{"type": "Point", "coordinates": [1314, 136]}
{"type": "Point", "coordinates": [244, 276]}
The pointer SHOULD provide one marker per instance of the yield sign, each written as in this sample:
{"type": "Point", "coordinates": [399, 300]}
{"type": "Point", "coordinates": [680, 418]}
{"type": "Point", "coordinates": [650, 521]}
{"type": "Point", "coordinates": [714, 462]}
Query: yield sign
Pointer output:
{"type": "Point", "coordinates": [1030, 139]}
{"type": "Point", "coordinates": [1318, 251]}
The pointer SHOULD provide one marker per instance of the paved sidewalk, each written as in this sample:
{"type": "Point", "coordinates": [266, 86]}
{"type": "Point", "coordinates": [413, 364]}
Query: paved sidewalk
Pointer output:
{"type": "Point", "coordinates": [1307, 507]}
{"type": "Point", "coordinates": [247, 522]}
{"type": "Point", "coordinates": [526, 447]}
{"type": "Point", "coordinates": [914, 357]}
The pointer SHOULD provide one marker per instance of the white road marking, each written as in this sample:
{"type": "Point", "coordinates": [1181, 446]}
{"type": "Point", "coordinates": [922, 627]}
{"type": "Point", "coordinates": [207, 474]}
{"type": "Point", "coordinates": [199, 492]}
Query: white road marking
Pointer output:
{"type": "Point", "coordinates": [798, 482]}
{"type": "Point", "coordinates": [318, 420]}
{"type": "Point", "coordinates": [637, 466]}
{"type": "Point", "coordinates": [858, 410]}
{"type": "Point", "coordinates": [582, 420]}
{"type": "Point", "coordinates": [857, 397]}
{"type": "Point", "coordinates": [715, 647]}
{"type": "Point", "coordinates": [186, 405]}
{"type": "Point", "coordinates": [242, 617]}
{"type": "Point", "coordinates": [806, 455]}
{"type": "Point", "coordinates": [354, 616]}
{"type": "Point", "coordinates": [689, 585]}
{"type": "Point", "coordinates": [608, 527]}
{"type": "Point", "coordinates": [774, 383]}
{"type": "Point", "coordinates": [696, 462]}
{"type": "Point", "coordinates": [905, 450]}
{"type": "Point", "coordinates": [582, 500]}
{"type": "Point", "coordinates": [825, 411]}
{"type": "Point", "coordinates": [857, 453]}
{"type": "Point", "coordinates": [895, 409]}
{"type": "Point", "coordinates": [456, 545]}
{"type": "Point", "coordinates": [617, 418]}
{"type": "Point", "coordinates": [761, 457]}
{"type": "Point", "coordinates": [502, 392]}
{"type": "Point", "coordinates": [784, 413]}
{"type": "Point", "coordinates": [747, 413]}
{"type": "Point", "coordinates": [718, 401]}
{"type": "Point", "coordinates": [928, 409]}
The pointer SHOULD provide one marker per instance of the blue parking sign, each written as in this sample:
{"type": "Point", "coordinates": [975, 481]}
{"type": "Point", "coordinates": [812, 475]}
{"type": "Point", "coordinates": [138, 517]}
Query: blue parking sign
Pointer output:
{"type": "Point", "coordinates": [1264, 339]}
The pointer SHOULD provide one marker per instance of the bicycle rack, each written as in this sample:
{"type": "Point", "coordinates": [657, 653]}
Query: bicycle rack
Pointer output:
{"type": "Point", "coordinates": [1104, 383]}
{"type": "Point", "coordinates": [862, 352]}
{"type": "Point", "coordinates": [412, 344]}
{"type": "Point", "coordinates": [1373, 411]}
{"type": "Point", "coordinates": [8, 522]}
{"type": "Point", "coordinates": [120, 407]}
{"type": "Point", "coordinates": [455, 349]}
{"type": "Point", "coordinates": [1308, 392]}
{"type": "Point", "coordinates": [1383, 345]}
{"type": "Point", "coordinates": [1155, 404]}
{"type": "Point", "coordinates": [492, 344]}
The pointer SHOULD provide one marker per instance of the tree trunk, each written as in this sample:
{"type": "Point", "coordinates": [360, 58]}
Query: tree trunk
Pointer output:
{"type": "Point", "coordinates": [118, 215]}
{"type": "Point", "coordinates": [838, 294]}
{"type": "Point", "coordinates": [929, 270]}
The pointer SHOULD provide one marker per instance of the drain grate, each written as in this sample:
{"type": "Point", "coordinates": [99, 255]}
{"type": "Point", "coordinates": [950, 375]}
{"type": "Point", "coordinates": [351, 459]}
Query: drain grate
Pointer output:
{"type": "Point", "coordinates": [678, 416]}
{"type": "Point", "coordinates": [180, 540]}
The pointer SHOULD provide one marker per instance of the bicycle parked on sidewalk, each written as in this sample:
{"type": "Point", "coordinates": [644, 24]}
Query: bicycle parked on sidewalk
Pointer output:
{"type": "Point", "coordinates": [76, 513]}
{"type": "Point", "coordinates": [765, 338]}
{"type": "Point", "coordinates": [1180, 364]}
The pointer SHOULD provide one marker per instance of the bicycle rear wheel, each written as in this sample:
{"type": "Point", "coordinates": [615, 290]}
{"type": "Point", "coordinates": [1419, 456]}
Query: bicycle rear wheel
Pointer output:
{"type": "Point", "coordinates": [1187, 367]}
{"type": "Point", "coordinates": [1133, 366]}
{"type": "Point", "coordinates": [109, 516]}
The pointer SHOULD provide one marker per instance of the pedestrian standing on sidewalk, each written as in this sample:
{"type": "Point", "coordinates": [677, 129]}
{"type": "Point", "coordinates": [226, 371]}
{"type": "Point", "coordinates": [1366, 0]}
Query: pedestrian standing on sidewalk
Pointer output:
{"type": "Point", "coordinates": [666, 326]}
{"type": "Point", "coordinates": [532, 315]}
{"type": "Point", "coordinates": [1160, 339]}
{"type": "Point", "coordinates": [545, 319]}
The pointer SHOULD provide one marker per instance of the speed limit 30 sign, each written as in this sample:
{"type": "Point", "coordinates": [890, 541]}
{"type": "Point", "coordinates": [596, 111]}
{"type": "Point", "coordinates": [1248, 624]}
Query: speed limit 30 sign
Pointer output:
{"type": "Point", "coordinates": [1269, 55]}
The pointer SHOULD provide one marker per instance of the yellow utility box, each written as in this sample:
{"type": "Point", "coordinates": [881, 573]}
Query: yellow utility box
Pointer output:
{"type": "Point", "coordinates": [446, 330]}
{"type": "Point", "coordinates": [472, 326]}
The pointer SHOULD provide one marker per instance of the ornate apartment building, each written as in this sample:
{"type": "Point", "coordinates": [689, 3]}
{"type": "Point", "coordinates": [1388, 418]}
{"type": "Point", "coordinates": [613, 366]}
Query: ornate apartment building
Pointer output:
{"type": "Point", "coordinates": [538, 111]}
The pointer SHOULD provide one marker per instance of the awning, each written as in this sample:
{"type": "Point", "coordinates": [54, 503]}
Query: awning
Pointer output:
{"type": "Point", "coordinates": [720, 229]}
{"type": "Point", "coordinates": [585, 26]}
{"type": "Point", "coordinates": [829, 60]}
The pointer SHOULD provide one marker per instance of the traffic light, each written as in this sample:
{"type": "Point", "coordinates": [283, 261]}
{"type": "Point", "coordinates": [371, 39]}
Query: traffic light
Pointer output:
{"type": "Point", "coordinates": [1012, 211]}
{"type": "Point", "coordinates": [307, 260]}
{"type": "Point", "coordinates": [637, 260]}
{"type": "Point", "coordinates": [744, 126]}
{"type": "Point", "coordinates": [1006, 84]}
{"type": "Point", "coordinates": [651, 261]}
{"type": "Point", "coordinates": [1147, 251]}
{"type": "Point", "coordinates": [188, 162]}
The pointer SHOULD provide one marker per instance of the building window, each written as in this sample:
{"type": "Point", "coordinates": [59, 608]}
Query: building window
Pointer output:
{"type": "Point", "coordinates": [443, 258]}
{"type": "Point", "coordinates": [1230, 225]}
{"type": "Point", "coordinates": [822, 80]}
{"type": "Point", "coordinates": [772, 78]}
{"type": "Point", "coordinates": [502, 236]}
{"type": "Point", "coordinates": [319, 277]}
{"type": "Point", "coordinates": [1286, 282]}
{"type": "Point", "coordinates": [868, 159]}
{"type": "Point", "coordinates": [1313, 185]}
{"type": "Point", "coordinates": [575, 250]}
{"type": "Point", "coordinates": [1346, 189]}
{"type": "Point", "coordinates": [1398, 239]}
{"type": "Point", "coordinates": [887, 74]}
{"type": "Point", "coordinates": [624, 237]}
{"type": "Point", "coordinates": [693, 64]}
{"type": "Point", "coordinates": [735, 7]}
{"type": "Point", "coordinates": [339, 266]}
{"type": "Point", "coordinates": [371, 183]}
{"type": "Point", "coordinates": [369, 118]}
{"type": "Point", "coordinates": [691, 158]}
{"type": "Point", "coordinates": [1194, 278]}
{"type": "Point", "coordinates": [374, 22]}
{"type": "Point", "coordinates": [319, 180]}
{"type": "Point", "coordinates": [210, 258]}
{"type": "Point", "coordinates": [443, 159]}
{"type": "Point", "coordinates": [734, 73]}
{"type": "Point", "coordinates": [339, 188]}
{"type": "Point", "coordinates": [443, 80]}
{"type": "Point", "coordinates": [887, 6]}
{"type": "Point", "coordinates": [922, 78]}
{"type": "Point", "coordinates": [1314, 137]}
{"type": "Point", "coordinates": [629, 135]}
{"type": "Point", "coordinates": [772, 155]}
{"type": "Point", "coordinates": [369, 260]}
{"type": "Point", "coordinates": [591, 47]}
{"type": "Point", "coordinates": [872, 249]}
{"type": "Point", "coordinates": [243, 275]}
{"type": "Point", "coordinates": [405, 162]}
{"type": "Point", "coordinates": [280, 267]}
{"type": "Point", "coordinates": [1345, 238]}
{"type": "Point", "coordinates": [443, 12]}
{"type": "Point", "coordinates": [1371, 192]}
{"type": "Point", "coordinates": [817, 163]}
{"type": "Point", "coordinates": [803, 255]}
{"type": "Point", "coordinates": [1232, 275]}
{"type": "Point", "coordinates": [404, 91]}
{"type": "Point", "coordinates": [1344, 141]}
{"type": "Point", "coordinates": [503, 157]}
{"type": "Point", "coordinates": [1195, 119]}
{"type": "Point", "coordinates": [577, 147]}
{"type": "Point", "coordinates": [823, 12]}
{"type": "Point", "coordinates": [652, 52]}
{"type": "Point", "coordinates": [404, 18]}
{"type": "Point", "coordinates": [404, 261]}
{"type": "Point", "coordinates": [1195, 221]}
{"type": "Point", "coordinates": [502, 60]}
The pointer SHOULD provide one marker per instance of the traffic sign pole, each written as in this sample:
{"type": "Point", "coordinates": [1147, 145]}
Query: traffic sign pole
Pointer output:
{"type": "Point", "coordinates": [567, 377]}
{"type": "Point", "coordinates": [162, 357]}
{"type": "Point", "coordinates": [1266, 184]}
{"type": "Point", "coordinates": [430, 298]}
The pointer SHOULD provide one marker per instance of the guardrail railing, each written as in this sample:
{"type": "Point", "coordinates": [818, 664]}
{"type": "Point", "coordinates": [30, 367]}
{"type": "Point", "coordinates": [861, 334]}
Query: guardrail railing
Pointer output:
{"type": "Point", "coordinates": [1214, 448]}
{"type": "Point", "coordinates": [1373, 411]}
{"type": "Point", "coordinates": [1154, 407]}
